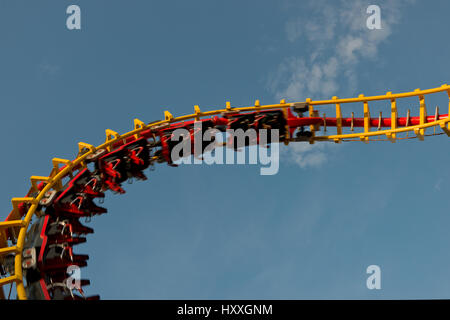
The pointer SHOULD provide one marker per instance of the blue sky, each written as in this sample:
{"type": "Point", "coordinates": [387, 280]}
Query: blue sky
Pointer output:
{"type": "Point", "coordinates": [225, 232]}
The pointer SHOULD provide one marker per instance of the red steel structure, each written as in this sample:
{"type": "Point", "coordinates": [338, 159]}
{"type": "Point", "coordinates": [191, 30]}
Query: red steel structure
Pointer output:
{"type": "Point", "coordinates": [36, 255]}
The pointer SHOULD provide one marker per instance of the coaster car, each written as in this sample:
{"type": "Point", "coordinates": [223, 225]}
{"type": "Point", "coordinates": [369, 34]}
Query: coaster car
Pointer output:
{"type": "Point", "coordinates": [73, 204]}
{"type": "Point", "coordinates": [268, 120]}
{"type": "Point", "coordinates": [52, 290]}
{"type": "Point", "coordinates": [48, 253]}
{"type": "Point", "coordinates": [127, 161]}
{"type": "Point", "coordinates": [88, 183]}
{"type": "Point", "coordinates": [168, 140]}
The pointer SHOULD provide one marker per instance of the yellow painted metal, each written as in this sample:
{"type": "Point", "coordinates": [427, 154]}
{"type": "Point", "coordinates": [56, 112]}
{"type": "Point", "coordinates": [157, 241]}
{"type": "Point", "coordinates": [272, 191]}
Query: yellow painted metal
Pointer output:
{"type": "Point", "coordinates": [8, 280]}
{"type": "Point", "coordinates": [448, 124]}
{"type": "Point", "coordinates": [366, 120]}
{"type": "Point", "coordinates": [442, 88]}
{"type": "Point", "coordinates": [311, 114]}
{"type": "Point", "coordinates": [11, 223]}
{"type": "Point", "coordinates": [338, 119]}
{"type": "Point", "coordinates": [35, 179]}
{"type": "Point", "coordinates": [198, 112]}
{"type": "Point", "coordinates": [57, 175]}
{"type": "Point", "coordinates": [17, 201]}
{"type": "Point", "coordinates": [21, 240]}
{"type": "Point", "coordinates": [423, 117]}
{"type": "Point", "coordinates": [57, 161]}
{"type": "Point", "coordinates": [391, 132]}
{"type": "Point", "coordinates": [111, 136]}
{"type": "Point", "coordinates": [168, 116]}
{"type": "Point", "coordinates": [288, 137]}
{"type": "Point", "coordinates": [444, 128]}
{"type": "Point", "coordinates": [82, 147]}
{"type": "Point", "coordinates": [8, 250]}
{"type": "Point", "coordinates": [448, 93]}
{"type": "Point", "coordinates": [3, 240]}
{"type": "Point", "coordinates": [394, 116]}
{"type": "Point", "coordinates": [383, 132]}
{"type": "Point", "coordinates": [138, 124]}
{"type": "Point", "coordinates": [85, 146]}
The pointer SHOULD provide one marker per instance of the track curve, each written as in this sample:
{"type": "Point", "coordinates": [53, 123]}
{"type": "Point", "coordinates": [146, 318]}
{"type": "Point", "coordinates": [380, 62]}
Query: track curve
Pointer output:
{"type": "Point", "coordinates": [14, 253]}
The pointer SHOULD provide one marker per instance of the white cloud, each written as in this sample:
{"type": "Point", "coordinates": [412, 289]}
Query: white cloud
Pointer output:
{"type": "Point", "coordinates": [307, 155]}
{"type": "Point", "coordinates": [293, 30]}
{"type": "Point", "coordinates": [48, 68]}
{"type": "Point", "coordinates": [299, 80]}
{"type": "Point", "coordinates": [348, 47]}
{"type": "Point", "coordinates": [335, 39]}
{"type": "Point", "coordinates": [437, 185]}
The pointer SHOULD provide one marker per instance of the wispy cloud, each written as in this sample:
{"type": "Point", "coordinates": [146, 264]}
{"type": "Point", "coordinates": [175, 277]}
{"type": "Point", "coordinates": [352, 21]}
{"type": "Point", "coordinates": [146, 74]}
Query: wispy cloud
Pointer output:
{"type": "Point", "coordinates": [334, 40]}
{"type": "Point", "coordinates": [48, 68]}
{"type": "Point", "coordinates": [307, 155]}
{"type": "Point", "coordinates": [437, 185]}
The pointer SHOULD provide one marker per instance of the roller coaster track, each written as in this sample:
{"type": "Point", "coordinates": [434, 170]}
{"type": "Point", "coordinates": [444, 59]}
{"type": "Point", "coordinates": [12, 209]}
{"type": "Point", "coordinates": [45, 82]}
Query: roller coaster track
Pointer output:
{"type": "Point", "coordinates": [14, 254]}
